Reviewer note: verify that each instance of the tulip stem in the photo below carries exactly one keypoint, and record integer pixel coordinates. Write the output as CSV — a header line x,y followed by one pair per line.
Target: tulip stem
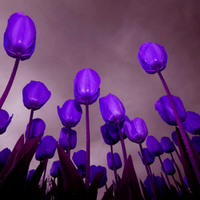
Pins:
x,y
148,172
87,172
68,148
122,143
113,161
10,82
29,125
186,141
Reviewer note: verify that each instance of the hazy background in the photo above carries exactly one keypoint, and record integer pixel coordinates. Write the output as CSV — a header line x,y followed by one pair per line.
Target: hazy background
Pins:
x,y
104,35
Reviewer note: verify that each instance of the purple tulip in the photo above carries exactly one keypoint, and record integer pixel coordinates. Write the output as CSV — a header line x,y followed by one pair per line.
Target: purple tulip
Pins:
x,y
167,145
196,143
112,109
152,57
169,166
192,123
29,175
46,148
136,130
154,146
63,139
4,120
37,127
70,113
79,159
164,108
4,155
148,157
174,138
54,168
20,36
35,95
94,170
117,161
86,86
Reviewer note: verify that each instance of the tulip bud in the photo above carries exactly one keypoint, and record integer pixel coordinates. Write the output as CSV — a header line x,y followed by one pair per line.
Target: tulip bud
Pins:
x,y
167,145
54,168
169,166
79,159
152,57
117,161
149,158
20,36
4,120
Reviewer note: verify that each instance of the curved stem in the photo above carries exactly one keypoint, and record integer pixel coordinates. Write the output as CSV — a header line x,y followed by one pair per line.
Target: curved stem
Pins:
x,y
122,143
114,169
10,82
29,125
182,131
68,148
87,173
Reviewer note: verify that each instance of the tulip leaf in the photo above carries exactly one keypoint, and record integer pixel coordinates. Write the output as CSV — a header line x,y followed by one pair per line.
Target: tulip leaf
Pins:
x,y
95,185
109,194
73,185
145,193
12,156
129,183
187,166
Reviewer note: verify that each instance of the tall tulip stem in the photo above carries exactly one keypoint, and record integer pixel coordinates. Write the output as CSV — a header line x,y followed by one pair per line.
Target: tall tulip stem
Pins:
x,y
10,82
122,143
69,135
113,161
29,125
182,131
87,173
148,173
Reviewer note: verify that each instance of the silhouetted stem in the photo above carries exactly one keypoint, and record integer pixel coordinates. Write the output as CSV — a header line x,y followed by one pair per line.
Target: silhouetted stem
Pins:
x,y
148,172
182,131
87,172
10,82
164,171
69,135
114,169
29,125
122,143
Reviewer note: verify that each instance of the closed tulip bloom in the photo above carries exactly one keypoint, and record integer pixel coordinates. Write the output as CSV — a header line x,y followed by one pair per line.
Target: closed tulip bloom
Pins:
x,y
94,170
196,143
35,95
148,157
169,166
112,109
37,127
136,130
154,146
117,161
192,123
54,168
79,159
167,145
4,120
70,113
46,148
164,108
86,86
20,36
63,139
4,155
152,57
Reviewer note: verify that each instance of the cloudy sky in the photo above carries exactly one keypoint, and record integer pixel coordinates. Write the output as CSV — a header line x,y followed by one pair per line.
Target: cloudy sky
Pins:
x,y
105,36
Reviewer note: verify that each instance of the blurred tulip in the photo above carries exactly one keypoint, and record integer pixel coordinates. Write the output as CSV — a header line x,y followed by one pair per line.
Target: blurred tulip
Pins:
x,y
154,146
117,161
148,157
152,57
63,139
94,170
164,108
79,159
112,109
174,138
20,36
54,168
37,127
4,155
70,113
35,95
4,120
192,123
29,175
196,143
169,166
86,86
46,148
136,130
167,145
